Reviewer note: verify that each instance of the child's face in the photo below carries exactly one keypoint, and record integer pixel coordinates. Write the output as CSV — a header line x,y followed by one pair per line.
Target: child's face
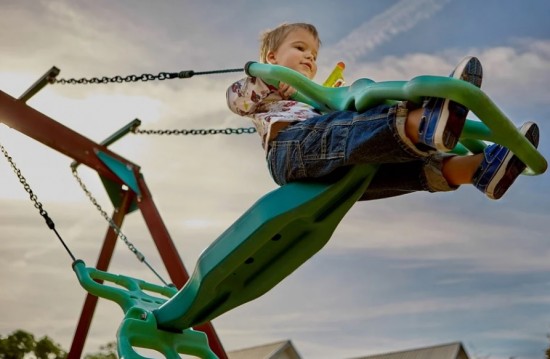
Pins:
x,y
298,52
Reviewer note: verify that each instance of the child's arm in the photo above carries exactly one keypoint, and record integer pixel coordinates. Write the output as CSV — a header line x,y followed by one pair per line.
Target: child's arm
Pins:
x,y
245,95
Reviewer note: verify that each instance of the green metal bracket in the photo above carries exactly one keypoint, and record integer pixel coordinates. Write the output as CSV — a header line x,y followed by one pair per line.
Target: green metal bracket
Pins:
x,y
125,174
121,133
115,195
121,170
47,78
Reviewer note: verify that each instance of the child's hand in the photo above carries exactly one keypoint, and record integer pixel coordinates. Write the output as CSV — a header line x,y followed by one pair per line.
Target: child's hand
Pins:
x,y
286,90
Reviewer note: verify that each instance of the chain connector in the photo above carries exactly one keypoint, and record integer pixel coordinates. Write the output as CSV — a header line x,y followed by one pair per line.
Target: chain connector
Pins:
x,y
186,74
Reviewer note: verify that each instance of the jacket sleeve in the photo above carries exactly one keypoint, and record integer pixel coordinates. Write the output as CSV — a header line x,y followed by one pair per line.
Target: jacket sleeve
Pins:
x,y
244,96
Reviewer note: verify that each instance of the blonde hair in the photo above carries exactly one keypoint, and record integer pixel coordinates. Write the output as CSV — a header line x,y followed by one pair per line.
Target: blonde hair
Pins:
x,y
272,39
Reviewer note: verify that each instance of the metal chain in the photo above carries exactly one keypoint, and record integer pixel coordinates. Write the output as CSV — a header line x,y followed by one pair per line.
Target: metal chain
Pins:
x,y
23,181
113,225
143,77
197,132
34,199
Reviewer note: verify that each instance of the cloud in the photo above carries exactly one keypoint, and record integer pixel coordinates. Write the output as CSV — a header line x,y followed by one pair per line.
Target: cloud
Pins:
x,y
517,74
382,28
399,258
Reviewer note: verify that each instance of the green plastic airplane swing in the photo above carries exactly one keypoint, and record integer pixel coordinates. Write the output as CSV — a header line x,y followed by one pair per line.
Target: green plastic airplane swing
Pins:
x,y
287,226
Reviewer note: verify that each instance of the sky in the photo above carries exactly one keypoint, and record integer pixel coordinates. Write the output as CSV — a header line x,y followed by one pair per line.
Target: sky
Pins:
x,y
401,273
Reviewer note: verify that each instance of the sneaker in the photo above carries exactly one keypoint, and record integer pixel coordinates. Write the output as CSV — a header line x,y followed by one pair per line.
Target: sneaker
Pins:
x,y
469,70
500,167
443,120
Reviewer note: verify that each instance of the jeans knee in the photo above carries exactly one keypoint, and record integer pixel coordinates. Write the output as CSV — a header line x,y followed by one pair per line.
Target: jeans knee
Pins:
x,y
285,161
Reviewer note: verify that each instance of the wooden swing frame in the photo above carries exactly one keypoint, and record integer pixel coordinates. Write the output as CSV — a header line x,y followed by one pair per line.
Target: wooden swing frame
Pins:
x,y
15,113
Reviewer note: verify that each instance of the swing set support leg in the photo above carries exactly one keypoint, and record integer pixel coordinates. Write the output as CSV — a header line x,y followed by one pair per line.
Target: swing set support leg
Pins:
x,y
161,236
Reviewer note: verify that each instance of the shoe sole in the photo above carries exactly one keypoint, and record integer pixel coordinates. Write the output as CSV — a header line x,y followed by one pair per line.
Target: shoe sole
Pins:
x,y
512,166
469,70
474,73
449,132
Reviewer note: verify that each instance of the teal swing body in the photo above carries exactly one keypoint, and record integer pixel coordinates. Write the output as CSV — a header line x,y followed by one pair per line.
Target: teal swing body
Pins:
x,y
287,226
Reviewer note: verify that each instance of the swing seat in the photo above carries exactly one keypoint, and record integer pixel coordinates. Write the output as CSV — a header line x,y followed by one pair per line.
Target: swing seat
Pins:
x,y
286,227
283,229
280,232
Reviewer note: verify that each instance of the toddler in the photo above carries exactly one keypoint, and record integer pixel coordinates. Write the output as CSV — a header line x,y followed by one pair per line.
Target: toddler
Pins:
x,y
410,144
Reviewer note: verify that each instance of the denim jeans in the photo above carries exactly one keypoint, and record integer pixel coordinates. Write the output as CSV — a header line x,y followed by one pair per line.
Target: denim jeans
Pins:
x,y
315,148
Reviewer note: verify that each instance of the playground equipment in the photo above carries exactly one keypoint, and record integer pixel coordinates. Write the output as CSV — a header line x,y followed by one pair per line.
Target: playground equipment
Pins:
x,y
281,231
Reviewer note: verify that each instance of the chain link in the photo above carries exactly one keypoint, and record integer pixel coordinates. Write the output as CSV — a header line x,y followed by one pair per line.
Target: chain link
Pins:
x,y
113,225
143,77
24,182
51,225
197,132
104,214
34,199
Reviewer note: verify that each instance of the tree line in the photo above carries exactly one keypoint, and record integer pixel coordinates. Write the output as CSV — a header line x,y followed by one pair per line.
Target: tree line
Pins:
x,y
21,344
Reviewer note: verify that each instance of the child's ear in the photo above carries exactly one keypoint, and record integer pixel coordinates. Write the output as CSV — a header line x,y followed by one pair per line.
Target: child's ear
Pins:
x,y
271,59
